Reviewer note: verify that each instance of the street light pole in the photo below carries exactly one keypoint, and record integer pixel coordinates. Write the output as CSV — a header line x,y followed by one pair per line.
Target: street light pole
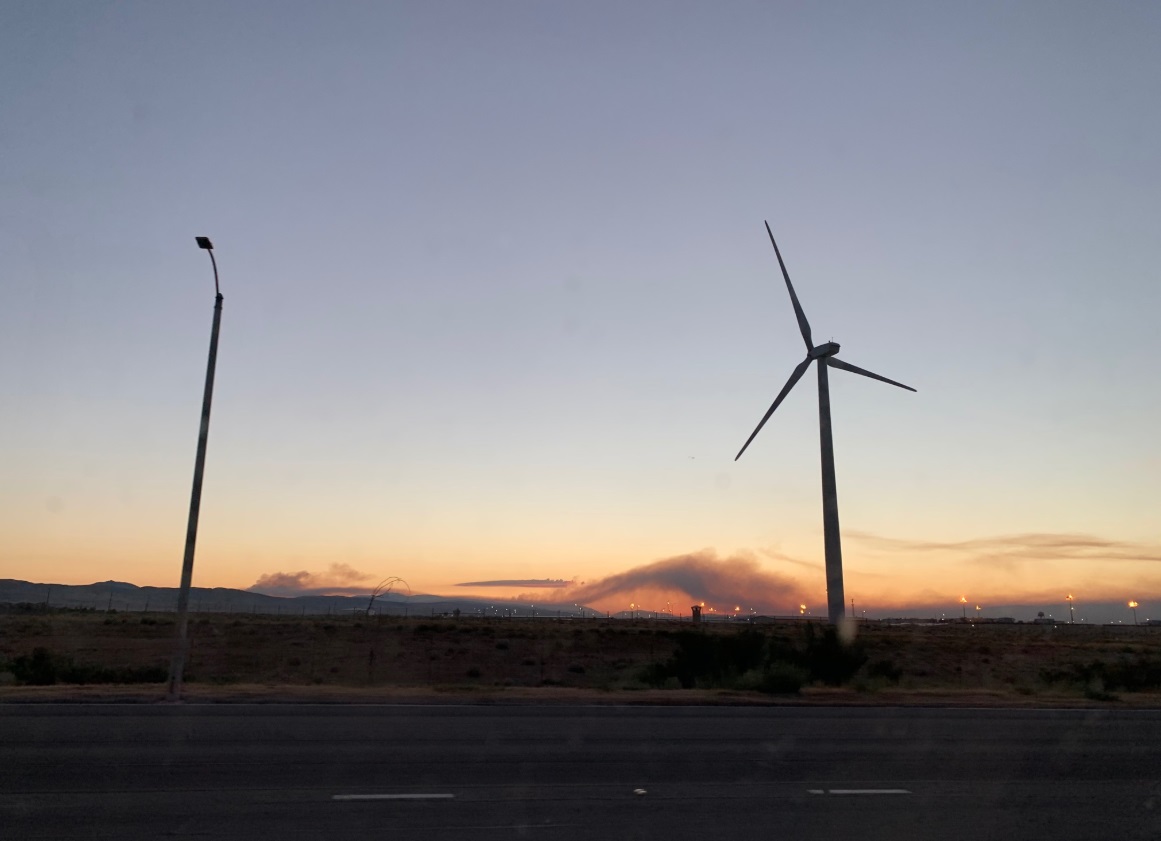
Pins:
x,y
181,643
1133,605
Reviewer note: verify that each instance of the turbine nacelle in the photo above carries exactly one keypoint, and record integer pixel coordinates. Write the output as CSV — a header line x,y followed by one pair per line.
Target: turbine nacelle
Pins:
x,y
819,351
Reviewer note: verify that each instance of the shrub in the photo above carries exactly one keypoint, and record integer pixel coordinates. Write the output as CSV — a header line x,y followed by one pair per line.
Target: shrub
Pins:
x,y
749,659
777,678
829,659
43,668
1134,675
782,679
715,660
39,669
886,670
657,674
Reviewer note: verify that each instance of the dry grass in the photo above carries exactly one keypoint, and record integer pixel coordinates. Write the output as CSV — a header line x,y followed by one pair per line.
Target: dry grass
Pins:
x,y
267,658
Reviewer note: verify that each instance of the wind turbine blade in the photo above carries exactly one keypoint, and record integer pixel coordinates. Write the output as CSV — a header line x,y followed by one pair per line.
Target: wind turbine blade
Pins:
x,y
835,362
795,376
803,324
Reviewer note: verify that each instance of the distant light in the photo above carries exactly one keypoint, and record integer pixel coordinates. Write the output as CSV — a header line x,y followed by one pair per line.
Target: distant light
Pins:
x,y
204,242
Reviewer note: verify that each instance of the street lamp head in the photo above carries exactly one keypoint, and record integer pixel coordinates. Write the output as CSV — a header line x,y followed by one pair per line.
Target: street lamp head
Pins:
x,y
205,244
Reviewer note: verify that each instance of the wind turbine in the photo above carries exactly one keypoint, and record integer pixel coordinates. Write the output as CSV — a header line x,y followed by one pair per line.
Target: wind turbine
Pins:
x,y
825,356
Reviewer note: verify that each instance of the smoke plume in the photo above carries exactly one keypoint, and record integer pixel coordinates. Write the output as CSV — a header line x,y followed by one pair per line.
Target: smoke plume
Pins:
x,y
552,583
722,583
337,580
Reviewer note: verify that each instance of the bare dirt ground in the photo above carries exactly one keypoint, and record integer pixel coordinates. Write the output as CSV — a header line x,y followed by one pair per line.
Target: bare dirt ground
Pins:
x,y
119,656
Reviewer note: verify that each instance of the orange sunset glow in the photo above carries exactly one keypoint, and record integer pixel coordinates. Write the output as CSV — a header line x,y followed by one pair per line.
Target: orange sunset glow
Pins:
x,y
512,339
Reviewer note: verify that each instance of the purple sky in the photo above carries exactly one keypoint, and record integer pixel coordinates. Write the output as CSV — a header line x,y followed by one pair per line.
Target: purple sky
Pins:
x,y
499,303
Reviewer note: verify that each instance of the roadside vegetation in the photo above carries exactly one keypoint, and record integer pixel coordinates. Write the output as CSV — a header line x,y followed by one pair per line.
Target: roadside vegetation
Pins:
x,y
754,660
614,656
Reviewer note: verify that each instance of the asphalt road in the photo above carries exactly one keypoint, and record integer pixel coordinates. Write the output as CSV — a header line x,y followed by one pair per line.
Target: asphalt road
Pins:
x,y
555,772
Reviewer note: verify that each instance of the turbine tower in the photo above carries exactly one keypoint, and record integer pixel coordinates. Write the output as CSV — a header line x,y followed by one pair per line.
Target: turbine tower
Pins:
x,y
825,356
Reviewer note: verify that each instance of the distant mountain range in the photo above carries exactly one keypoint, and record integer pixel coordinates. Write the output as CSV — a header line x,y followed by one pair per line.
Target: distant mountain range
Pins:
x,y
122,596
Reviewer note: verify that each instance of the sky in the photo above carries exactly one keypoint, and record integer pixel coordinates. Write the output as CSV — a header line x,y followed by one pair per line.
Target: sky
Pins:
x,y
500,305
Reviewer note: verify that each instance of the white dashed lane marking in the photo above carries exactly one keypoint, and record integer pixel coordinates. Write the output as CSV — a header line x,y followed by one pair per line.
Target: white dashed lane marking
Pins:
x,y
393,797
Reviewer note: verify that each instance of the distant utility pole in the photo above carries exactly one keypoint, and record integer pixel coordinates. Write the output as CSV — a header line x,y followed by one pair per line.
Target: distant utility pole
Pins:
x,y
181,643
